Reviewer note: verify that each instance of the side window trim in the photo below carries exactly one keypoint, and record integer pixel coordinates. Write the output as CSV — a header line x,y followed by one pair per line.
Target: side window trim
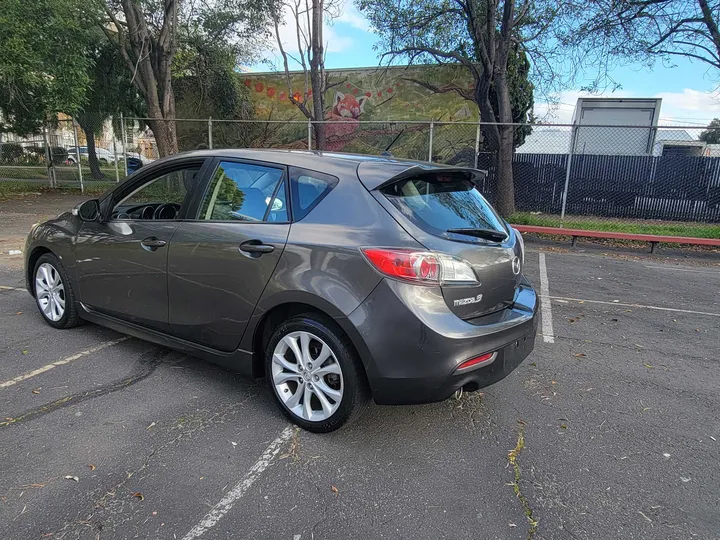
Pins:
x,y
273,196
211,168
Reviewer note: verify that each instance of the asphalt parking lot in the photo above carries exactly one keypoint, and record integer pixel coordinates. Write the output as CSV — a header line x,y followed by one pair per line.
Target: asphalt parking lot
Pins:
x,y
609,429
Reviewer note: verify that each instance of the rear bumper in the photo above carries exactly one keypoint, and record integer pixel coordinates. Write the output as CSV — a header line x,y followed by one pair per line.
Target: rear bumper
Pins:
x,y
415,343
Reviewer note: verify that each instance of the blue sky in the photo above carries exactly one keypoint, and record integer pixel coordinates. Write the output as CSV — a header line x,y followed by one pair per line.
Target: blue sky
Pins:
x,y
689,95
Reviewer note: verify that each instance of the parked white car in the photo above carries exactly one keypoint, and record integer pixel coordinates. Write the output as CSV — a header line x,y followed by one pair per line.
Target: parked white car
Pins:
x,y
105,157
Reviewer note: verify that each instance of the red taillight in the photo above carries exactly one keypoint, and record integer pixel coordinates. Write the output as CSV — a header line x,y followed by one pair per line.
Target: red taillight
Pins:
x,y
405,264
475,361
421,266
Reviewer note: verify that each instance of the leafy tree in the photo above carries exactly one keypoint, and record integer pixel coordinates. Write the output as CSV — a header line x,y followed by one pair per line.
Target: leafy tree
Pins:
x,y
494,40
521,95
711,135
208,88
109,93
43,68
150,33
604,33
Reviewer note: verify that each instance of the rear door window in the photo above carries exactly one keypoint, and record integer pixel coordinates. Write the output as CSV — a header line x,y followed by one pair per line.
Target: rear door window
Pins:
x,y
308,188
439,202
245,192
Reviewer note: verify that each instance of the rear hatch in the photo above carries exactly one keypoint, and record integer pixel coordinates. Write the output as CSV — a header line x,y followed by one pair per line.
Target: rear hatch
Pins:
x,y
444,211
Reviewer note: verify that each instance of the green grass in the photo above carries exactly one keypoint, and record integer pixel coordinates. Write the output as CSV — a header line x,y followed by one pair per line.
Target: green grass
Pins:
x,y
632,226
17,189
63,173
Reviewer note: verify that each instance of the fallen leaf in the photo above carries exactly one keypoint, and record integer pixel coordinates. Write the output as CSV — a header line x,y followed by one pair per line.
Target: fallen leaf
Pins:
x,y
24,352
19,313
72,478
138,495
37,390
553,382
581,301
571,320
649,366
335,490
563,426
92,467
580,355
533,364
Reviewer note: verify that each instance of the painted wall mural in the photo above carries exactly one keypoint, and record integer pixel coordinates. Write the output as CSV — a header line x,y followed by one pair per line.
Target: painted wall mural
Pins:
x,y
366,107
371,93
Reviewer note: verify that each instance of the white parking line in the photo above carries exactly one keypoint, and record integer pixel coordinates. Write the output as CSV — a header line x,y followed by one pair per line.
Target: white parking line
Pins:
x,y
62,362
545,305
227,502
6,288
674,269
639,306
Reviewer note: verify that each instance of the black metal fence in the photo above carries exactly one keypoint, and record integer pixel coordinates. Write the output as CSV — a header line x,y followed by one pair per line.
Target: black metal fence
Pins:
x,y
673,187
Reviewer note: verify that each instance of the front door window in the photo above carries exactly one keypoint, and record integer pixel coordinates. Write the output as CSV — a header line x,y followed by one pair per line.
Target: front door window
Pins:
x,y
160,198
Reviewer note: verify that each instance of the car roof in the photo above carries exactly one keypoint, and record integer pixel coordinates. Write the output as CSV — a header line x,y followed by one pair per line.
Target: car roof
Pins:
x,y
373,171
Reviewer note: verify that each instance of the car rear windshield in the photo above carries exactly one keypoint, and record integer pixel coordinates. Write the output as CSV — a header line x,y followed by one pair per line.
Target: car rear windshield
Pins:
x,y
439,202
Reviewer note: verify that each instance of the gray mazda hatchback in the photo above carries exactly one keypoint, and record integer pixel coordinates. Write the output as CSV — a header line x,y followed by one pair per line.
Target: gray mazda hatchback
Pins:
x,y
338,277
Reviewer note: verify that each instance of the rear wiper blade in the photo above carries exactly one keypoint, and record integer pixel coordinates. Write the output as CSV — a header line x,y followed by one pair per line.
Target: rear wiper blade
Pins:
x,y
487,234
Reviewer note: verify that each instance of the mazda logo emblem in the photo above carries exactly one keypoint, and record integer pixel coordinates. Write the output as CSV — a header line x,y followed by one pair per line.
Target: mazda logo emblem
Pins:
x,y
516,265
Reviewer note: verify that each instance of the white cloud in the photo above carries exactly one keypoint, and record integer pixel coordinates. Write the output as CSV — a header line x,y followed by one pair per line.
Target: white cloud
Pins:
x,y
689,106
350,15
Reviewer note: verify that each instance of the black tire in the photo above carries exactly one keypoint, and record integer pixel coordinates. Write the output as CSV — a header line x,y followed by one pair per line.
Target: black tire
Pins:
x,y
70,317
356,392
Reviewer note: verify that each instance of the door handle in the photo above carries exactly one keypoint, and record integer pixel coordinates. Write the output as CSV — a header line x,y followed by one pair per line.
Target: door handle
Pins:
x,y
151,243
256,247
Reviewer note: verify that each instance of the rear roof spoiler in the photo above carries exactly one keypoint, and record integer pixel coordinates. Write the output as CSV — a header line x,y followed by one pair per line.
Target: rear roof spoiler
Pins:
x,y
378,174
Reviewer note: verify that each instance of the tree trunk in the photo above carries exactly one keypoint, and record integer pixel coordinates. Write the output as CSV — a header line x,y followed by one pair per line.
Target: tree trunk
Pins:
x,y
165,139
149,55
89,130
319,134
317,74
504,174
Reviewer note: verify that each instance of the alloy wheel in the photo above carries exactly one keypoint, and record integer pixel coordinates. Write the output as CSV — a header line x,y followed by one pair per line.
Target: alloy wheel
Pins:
x,y
307,376
50,292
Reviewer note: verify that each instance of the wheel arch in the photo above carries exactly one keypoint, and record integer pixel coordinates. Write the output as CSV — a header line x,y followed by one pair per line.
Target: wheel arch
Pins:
x,y
257,337
35,254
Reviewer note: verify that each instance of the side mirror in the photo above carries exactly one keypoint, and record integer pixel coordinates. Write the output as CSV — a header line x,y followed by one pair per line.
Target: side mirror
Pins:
x,y
88,211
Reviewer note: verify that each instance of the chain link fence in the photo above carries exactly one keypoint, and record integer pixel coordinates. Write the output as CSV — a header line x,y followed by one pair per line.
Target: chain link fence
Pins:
x,y
659,180
663,179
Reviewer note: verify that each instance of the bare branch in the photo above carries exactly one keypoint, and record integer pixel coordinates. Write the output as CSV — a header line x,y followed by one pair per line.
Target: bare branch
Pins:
x,y
462,92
